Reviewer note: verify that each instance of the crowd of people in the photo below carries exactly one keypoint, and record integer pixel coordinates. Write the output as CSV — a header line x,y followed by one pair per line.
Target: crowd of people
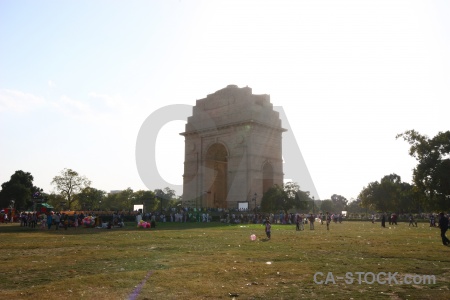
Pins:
x,y
64,220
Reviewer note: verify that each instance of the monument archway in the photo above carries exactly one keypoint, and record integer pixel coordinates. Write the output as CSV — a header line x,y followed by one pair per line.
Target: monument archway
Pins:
x,y
215,176
233,149
267,177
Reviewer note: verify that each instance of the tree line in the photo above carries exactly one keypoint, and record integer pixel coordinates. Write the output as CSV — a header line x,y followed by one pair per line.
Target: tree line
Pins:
x,y
74,192
430,190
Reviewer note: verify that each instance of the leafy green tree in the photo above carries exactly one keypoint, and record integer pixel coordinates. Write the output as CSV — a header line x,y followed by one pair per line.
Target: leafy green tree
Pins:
x,y
68,184
19,188
411,199
55,200
127,199
327,205
383,196
303,201
355,206
111,202
147,198
339,203
284,198
165,197
272,199
122,200
91,199
432,173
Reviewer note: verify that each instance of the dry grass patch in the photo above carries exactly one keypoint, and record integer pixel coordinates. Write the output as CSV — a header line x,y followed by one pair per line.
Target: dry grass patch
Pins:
x,y
212,261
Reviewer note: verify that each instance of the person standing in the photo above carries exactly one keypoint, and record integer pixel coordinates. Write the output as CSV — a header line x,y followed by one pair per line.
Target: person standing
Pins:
x,y
43,218
383,220
65,220
328,220
153,220
138,218
75,220
57,219
302,222
268,228
443,225
311,221
432,220
49,220
33,220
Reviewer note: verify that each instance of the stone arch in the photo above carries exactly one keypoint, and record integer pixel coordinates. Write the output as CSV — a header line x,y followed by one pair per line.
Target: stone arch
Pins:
x,y
216,176
267,178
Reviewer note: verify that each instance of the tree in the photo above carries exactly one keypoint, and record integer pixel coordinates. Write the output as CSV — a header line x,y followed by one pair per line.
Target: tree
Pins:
x,y
91,199
126,199
284,198
303,201
69,183
19,188
55,200
272,198
327,205
111,202
147,198
383,196
432,173
355,206
165,197
339,203
411,199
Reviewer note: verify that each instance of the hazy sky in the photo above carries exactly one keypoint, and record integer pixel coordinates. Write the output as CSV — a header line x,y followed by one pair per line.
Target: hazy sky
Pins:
x,y
78,79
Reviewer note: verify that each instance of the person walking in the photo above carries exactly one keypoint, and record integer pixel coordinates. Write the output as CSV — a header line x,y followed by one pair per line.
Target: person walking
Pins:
x,y
443,225
412,221
394,219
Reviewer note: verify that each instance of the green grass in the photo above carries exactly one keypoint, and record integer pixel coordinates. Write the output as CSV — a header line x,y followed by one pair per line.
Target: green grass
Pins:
x,y
210,261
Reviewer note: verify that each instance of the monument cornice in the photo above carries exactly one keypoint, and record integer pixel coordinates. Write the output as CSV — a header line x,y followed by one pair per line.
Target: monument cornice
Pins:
x,y
231,125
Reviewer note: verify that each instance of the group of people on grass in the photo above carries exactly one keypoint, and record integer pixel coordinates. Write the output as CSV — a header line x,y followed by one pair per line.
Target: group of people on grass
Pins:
x,y
63,220
300,220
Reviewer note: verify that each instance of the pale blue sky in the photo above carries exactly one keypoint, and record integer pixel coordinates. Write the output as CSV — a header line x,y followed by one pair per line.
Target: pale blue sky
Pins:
x,y
78,78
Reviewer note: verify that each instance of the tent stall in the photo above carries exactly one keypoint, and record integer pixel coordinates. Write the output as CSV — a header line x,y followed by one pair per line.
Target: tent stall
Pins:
x,y
44,207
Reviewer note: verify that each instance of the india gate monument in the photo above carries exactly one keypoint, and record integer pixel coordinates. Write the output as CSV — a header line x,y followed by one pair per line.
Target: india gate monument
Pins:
x,y
233,149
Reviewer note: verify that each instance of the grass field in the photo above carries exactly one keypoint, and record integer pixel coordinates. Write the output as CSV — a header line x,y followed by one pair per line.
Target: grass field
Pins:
x,y
212,261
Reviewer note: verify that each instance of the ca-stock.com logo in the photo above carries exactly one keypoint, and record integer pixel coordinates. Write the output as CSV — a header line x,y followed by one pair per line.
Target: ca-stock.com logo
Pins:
x,y
390,278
